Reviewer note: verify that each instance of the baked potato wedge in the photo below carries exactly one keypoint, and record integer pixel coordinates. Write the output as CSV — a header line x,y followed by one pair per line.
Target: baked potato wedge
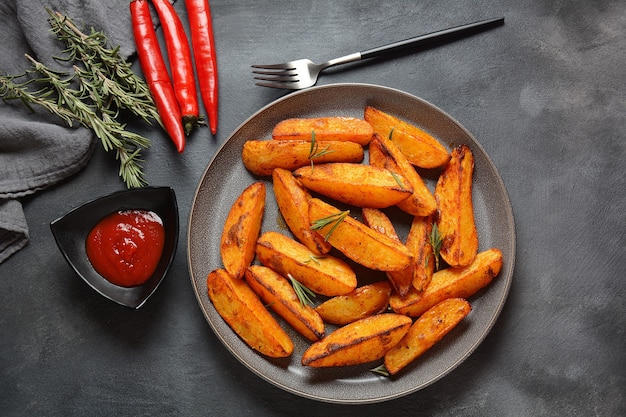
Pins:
x,y
427,330
419,147
359,342
242,228
384,154
326,275
277,293
260,157
293,202
243,311
418,241
453,193
364,301
355,184
451,283
339,128
378,220
355,240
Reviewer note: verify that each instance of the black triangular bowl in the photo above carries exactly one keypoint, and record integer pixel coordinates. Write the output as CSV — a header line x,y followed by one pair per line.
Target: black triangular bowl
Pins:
x,y
70,233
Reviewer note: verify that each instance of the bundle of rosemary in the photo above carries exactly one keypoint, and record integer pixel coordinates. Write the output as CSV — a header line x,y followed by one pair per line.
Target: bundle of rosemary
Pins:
x,y
101,86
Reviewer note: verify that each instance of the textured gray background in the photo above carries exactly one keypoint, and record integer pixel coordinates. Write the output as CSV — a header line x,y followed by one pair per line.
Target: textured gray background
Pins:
x,y
543,94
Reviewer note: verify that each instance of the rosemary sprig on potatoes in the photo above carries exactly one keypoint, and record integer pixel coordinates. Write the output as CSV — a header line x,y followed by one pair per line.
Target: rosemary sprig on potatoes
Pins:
x,y
305,295
334,219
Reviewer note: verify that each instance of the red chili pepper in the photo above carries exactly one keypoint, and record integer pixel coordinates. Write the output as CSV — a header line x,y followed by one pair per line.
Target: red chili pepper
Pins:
x,y
180,63
203,44
155,71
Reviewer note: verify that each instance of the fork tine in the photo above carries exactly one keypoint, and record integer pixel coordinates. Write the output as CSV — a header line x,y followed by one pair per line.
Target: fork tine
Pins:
x,y
290,71
275,66
278,78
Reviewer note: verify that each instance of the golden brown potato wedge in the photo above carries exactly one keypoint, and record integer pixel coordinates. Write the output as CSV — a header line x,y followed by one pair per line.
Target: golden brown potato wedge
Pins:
x,y
356,241
419,147
326,128
326,275
456,210
276,292
427,330
419,243
451,283
384,154
260,157
242,228
359,342
242,309
378,220
365,301
293,202
355,184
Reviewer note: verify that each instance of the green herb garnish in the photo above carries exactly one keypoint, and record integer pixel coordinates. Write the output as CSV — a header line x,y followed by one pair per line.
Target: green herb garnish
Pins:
x,y
435,239
314,258
314,152
380,370
305,295
101,86
396,177
333,219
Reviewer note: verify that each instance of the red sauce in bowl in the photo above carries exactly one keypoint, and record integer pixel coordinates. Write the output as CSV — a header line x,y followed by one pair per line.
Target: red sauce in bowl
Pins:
x,y
125,247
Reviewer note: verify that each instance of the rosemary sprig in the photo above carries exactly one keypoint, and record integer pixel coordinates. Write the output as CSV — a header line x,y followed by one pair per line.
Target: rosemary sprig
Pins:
x,y
313,258
380,370
305,295
315,152
101,86
71,104
396,177
435,239
105,68
333,219
11,90
109,94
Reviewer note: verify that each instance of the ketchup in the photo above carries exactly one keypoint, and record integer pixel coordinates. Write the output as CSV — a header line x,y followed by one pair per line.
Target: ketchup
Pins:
x,y
125,247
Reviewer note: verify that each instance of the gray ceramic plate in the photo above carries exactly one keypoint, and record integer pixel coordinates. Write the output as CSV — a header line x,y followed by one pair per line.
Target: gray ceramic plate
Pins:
x,y
225,178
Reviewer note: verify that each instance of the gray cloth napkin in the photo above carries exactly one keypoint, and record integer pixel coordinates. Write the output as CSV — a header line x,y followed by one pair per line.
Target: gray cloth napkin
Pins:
x,y
37,149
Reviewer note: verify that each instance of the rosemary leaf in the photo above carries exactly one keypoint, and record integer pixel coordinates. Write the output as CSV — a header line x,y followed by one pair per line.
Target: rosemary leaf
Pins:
x,y
333,219
380,370
314,145
435,240
305,295
314,152
314,258
397,179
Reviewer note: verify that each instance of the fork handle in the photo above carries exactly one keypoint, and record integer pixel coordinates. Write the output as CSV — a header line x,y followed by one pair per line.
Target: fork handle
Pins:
x,y
433,38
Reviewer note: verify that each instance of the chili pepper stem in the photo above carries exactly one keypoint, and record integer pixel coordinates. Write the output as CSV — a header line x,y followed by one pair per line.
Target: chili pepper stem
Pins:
x,y
189,123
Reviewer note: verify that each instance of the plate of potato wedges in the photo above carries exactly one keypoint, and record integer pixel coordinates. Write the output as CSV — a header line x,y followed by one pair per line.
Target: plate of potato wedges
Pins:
x,y
351,243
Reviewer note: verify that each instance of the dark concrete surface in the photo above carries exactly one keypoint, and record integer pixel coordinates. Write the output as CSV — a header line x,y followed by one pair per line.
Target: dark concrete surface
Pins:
x,y
544,94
